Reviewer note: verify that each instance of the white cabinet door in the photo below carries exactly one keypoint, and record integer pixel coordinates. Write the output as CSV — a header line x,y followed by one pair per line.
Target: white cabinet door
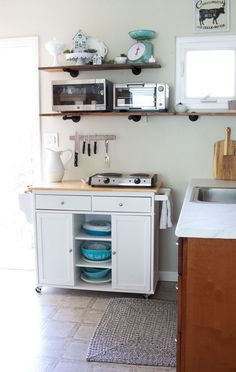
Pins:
x,y
55,248
131,248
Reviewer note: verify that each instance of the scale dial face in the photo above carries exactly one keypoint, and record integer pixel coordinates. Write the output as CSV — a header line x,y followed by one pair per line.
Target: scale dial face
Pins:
x,y
136,52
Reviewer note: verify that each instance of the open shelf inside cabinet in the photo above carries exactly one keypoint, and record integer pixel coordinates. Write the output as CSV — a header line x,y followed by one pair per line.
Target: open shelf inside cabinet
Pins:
x,y
97,286
83,236
80,262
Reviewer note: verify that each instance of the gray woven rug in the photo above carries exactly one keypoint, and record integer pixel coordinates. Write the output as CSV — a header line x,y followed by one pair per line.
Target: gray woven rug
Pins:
x,y
136,331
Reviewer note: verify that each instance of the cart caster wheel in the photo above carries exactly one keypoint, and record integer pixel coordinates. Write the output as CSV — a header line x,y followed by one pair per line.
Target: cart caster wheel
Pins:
x,y
38,289
146,296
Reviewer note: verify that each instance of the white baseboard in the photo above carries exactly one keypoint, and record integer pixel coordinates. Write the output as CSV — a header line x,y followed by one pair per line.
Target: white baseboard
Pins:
x,y
168,276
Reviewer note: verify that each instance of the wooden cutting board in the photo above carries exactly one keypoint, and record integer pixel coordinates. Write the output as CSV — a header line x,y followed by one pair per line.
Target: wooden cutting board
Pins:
x,y
225,158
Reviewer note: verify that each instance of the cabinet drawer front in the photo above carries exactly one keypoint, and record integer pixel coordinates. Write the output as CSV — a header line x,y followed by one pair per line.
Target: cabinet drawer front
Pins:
x,y
63,202
122,204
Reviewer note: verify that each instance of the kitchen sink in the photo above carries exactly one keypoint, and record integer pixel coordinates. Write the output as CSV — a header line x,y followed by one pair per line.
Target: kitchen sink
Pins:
x,y
214,195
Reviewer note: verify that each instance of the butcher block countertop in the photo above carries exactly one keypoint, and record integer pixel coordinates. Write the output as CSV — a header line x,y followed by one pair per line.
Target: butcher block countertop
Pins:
x,y
207,219
80,186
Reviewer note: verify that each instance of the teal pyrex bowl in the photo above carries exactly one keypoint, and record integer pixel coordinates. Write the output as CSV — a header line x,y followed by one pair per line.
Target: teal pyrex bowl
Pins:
x,y
95,250
95,273
95,255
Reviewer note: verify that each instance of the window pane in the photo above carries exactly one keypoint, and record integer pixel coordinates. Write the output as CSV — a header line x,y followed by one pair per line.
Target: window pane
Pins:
x,y
210,73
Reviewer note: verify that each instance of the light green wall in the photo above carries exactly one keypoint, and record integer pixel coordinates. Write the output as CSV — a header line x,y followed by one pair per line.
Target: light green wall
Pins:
x,y
173,147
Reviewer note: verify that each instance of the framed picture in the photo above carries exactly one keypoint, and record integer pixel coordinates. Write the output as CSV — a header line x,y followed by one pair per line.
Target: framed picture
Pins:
x,y
211,15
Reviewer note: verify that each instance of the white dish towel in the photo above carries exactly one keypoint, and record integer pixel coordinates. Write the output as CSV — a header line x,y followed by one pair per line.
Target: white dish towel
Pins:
x,y
166,209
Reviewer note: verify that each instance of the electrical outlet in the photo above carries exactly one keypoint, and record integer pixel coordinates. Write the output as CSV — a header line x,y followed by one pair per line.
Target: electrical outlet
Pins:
x,y
51,140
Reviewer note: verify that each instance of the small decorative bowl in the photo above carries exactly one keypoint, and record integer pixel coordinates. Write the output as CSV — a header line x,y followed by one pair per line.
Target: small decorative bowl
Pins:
x,y
120,59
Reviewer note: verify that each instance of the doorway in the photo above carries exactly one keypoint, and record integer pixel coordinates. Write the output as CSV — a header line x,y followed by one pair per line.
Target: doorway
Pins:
x,y
19,147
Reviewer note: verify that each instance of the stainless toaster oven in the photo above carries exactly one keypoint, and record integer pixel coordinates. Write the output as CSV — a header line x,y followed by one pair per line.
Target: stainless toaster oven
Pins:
x,y
140,96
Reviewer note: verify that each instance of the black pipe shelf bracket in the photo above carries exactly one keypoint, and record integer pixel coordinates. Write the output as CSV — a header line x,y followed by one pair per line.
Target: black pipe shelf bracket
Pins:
x,y
74,118
136,70
193,116
73,73
135,118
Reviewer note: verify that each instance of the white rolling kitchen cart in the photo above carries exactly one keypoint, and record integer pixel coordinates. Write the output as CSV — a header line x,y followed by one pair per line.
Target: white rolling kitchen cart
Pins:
x,y
61,209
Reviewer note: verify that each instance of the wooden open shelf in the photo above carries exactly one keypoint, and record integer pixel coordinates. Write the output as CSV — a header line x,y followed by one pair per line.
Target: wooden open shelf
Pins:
x,y
105,113
74,70
136,116
132,115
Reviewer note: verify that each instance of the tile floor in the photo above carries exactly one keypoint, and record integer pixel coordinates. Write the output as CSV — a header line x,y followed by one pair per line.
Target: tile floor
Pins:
x,y
50,332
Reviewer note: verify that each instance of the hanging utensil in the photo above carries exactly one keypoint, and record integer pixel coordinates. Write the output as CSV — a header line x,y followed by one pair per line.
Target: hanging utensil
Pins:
x,y
95,147
77,149
84,146
89,147
107,157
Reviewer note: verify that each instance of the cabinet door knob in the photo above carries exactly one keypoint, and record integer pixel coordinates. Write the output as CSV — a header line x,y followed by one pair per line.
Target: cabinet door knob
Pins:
x,y
177,242
177,287
120,204
176,340
113,252
62,202
70,250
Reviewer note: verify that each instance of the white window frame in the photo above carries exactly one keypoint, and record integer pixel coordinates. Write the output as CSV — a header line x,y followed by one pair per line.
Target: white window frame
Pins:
x,y
185,44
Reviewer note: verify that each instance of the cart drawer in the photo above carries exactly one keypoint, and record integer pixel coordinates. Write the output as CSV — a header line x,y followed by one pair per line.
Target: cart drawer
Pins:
x,y
121,204
63,202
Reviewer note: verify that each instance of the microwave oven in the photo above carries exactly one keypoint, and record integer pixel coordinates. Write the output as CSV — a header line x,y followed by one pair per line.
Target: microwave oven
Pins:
x,y
82,95
141,96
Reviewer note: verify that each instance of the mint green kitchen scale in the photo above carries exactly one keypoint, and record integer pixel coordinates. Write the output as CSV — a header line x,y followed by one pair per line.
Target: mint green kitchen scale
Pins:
x,y
142,50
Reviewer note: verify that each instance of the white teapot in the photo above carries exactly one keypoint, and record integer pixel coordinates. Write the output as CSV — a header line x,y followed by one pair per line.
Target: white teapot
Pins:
x,y
54,168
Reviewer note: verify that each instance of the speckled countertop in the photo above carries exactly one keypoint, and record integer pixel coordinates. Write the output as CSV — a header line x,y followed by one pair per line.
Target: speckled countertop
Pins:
x,y
207,219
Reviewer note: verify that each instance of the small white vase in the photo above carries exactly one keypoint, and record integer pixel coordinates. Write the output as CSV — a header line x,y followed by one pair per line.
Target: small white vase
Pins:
x,y
55,48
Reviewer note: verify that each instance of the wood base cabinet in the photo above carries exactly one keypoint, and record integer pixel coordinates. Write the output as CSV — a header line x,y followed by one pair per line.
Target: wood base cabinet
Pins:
x,y
206,340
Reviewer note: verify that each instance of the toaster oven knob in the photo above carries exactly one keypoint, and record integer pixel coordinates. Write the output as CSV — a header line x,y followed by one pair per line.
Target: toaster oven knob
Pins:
x,y
106,180
137,181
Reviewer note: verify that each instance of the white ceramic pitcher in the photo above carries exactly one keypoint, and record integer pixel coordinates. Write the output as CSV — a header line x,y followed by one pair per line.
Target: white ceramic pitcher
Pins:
x,y
54,168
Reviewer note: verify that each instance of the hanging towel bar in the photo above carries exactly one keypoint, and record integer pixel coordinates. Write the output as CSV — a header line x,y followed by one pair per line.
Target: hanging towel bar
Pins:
x,y
164,194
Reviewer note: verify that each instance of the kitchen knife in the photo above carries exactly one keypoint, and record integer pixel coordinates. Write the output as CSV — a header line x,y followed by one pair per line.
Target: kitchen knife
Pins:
x,y
76,156
83,148
95,147
89,148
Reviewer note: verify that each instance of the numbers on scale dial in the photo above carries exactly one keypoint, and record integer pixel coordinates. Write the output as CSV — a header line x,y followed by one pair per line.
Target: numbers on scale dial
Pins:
x,y
136,51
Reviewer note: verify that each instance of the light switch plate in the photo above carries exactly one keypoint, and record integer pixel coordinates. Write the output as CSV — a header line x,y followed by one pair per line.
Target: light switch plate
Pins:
x,y
51,140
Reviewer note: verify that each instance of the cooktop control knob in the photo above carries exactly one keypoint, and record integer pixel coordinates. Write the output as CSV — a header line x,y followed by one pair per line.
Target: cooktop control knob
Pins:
x,y
106,180
137,181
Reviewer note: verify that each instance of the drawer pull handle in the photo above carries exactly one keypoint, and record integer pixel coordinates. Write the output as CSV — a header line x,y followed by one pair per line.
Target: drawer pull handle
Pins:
x,y
120,204
62,202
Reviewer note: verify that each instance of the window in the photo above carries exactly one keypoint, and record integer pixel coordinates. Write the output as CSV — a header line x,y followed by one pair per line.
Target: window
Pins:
x,y
206,71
